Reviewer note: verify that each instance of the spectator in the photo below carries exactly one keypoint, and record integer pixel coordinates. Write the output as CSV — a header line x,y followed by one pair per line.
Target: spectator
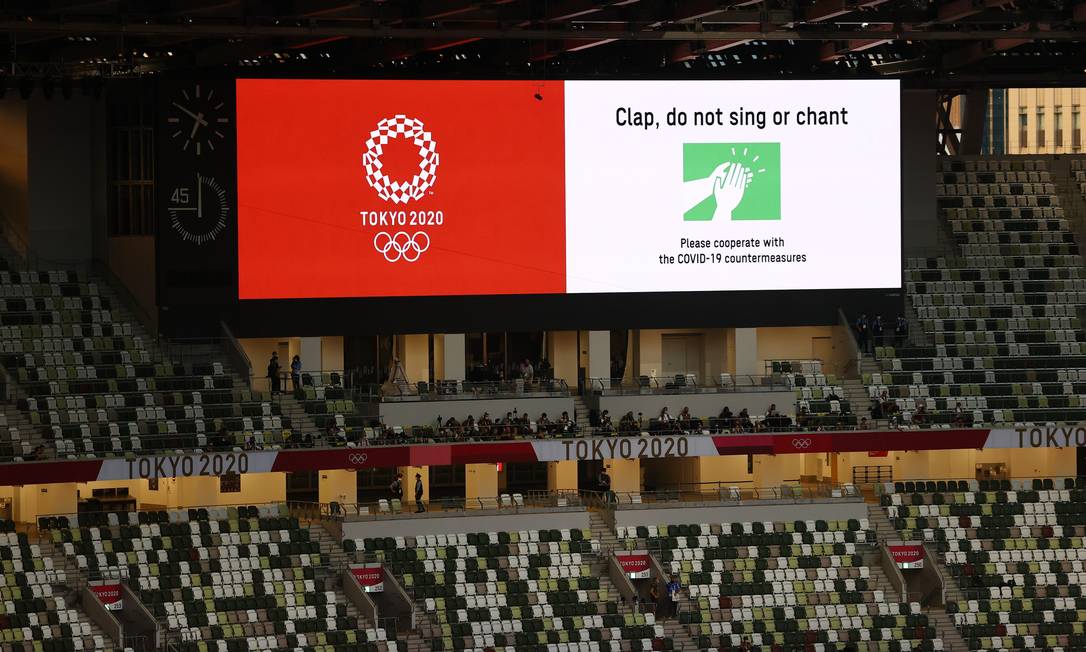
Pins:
x,y
673,588
565,424
901,330
273,372
605,485
877,331
252,445
687,421
654,597
222,438
803,418
726,420
920,417
772,411
485,424
307,440
606,426
743,421
862,332
863,424
960,416
627,425
420,507
666,422
527,371
396,488
296,373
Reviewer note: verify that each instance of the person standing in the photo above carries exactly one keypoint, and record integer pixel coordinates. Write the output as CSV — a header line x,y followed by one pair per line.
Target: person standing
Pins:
x,y
396,488
673,588
654,597
901,331
273,372
420,507
862,332
605,486
877,331
296,372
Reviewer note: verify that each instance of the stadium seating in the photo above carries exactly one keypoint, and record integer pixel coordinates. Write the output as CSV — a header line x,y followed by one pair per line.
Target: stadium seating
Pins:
x,y
250,576
33,614
998,325
1015,549
88,385
817,394
800,585
516,590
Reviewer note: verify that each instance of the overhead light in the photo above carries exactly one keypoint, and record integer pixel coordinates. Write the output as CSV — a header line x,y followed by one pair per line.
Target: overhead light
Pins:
x,y
169,53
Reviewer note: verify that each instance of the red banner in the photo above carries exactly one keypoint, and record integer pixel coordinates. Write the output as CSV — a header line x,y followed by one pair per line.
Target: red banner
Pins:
x,y
109,595
401,188
909,555
372,578
636,567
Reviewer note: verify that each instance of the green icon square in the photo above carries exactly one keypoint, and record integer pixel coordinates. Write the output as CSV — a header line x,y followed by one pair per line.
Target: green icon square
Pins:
x,y
761,199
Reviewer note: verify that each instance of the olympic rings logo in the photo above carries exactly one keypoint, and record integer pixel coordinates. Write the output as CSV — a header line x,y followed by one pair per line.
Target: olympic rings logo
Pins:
x,y
801,443
357,459
401,192
401,246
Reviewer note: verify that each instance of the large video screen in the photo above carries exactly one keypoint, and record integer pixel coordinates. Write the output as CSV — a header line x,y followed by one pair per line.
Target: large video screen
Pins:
x,y
379,188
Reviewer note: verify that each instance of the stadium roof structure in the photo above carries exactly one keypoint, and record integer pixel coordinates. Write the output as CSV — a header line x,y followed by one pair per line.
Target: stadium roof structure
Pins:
x,y
1019,41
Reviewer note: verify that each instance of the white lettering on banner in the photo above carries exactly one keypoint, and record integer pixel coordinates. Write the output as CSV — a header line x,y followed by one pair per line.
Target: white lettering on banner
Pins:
x,y
627,448
184,466
1041,436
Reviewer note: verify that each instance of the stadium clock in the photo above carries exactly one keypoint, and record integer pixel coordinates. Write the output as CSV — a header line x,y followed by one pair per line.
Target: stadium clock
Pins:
x,y
197,119
198,213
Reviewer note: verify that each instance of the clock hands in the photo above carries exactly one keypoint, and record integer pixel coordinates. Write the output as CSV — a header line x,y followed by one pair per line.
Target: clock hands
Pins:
x,y
198,117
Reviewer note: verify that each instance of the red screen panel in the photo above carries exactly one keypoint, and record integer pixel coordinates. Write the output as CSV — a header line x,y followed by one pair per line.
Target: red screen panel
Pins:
x,y
333,173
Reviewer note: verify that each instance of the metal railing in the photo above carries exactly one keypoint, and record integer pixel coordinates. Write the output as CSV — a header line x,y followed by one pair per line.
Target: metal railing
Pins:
x,y
683,384
469,389
529,501
735,492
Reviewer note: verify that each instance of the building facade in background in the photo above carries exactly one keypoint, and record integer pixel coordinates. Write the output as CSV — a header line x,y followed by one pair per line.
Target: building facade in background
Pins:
x,y
1034,121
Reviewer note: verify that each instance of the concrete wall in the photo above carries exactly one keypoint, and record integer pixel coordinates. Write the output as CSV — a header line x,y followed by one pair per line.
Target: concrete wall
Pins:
x,y
65,166
413,413
132,259
626,517
912,465
797,343
703,405
920,224
461,522
13,167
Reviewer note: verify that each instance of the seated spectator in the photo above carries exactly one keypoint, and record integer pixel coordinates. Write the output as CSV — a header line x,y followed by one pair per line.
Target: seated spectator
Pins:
x,y
772,411
222,439
543,425
743,421
889,407
628,425
803,418
725,420
606,426
687,421
920,417
468,427
961,417
451,429
307,440
485,424
252,445
566,425
666,423
863,425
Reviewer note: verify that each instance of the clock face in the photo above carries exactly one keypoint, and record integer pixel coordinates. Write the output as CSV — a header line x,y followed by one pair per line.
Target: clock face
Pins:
x,y
197,120
198,212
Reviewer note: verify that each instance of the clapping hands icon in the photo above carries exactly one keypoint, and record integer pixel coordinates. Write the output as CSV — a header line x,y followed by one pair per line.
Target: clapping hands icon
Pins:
x,y
727,184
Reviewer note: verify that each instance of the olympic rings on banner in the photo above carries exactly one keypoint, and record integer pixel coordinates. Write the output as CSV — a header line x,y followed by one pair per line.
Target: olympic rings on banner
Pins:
x,y
401,246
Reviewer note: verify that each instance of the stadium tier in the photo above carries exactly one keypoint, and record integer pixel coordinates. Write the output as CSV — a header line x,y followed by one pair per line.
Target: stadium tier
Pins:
x,y
705,326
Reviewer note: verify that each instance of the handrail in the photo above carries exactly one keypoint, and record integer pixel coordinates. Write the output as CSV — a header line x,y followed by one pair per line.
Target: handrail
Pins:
x,y
238,358
732,492
857,355
725,383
